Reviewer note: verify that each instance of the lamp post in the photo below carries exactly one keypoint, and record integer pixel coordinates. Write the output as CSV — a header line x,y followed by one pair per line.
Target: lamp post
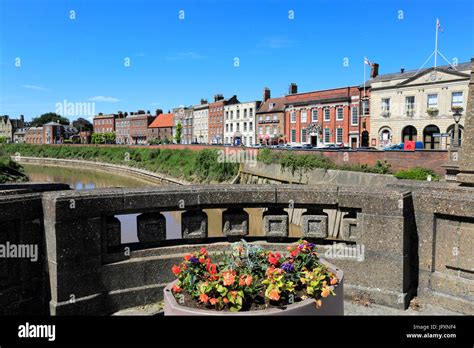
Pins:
x,y
457,118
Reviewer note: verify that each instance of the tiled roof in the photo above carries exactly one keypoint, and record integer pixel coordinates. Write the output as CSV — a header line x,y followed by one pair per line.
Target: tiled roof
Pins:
x,y
163,121
279,105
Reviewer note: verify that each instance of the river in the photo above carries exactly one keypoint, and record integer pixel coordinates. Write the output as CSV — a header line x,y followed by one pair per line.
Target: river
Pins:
x,y
86,179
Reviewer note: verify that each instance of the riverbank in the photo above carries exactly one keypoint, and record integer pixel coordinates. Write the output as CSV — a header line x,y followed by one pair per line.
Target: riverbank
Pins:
x,y
175,166
11,171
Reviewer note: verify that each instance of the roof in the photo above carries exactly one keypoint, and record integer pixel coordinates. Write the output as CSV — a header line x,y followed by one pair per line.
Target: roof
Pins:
x,y
163,121
412,73
278,107
52,124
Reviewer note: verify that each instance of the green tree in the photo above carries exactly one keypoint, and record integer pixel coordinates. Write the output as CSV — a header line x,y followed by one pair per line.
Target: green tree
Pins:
x,y
82,124
109,138
48,117
179,129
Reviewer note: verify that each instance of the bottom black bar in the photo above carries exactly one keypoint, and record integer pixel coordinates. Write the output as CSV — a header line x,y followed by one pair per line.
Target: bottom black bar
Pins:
x,y
136,331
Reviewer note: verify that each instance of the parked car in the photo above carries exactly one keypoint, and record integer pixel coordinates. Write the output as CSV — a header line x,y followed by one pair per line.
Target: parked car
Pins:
x,y
394,147
257,145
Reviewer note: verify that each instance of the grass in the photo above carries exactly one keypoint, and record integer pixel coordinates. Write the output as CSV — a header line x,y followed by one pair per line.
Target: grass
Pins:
x,y
417,173
10,171
194,166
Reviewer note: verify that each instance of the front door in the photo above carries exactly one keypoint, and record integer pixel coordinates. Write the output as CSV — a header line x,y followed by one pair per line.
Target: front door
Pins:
x,y
314,141
353,142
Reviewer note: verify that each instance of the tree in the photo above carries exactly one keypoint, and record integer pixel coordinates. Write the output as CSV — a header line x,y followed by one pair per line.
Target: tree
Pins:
x,y
48,117
82,124
178,133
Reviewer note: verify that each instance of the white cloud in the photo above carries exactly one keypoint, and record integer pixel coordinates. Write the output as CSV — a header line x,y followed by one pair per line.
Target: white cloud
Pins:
x,y
34,87
185,55
101,98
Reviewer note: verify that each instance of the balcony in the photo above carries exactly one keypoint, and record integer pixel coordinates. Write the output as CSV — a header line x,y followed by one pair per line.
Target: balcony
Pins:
x,y
385,113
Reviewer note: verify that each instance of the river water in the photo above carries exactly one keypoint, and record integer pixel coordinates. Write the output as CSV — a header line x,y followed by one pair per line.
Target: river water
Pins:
x,y
86,179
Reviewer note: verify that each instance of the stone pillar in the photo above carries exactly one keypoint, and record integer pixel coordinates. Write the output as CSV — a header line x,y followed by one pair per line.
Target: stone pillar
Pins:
x,y
194,224
315,224
151,227
466,175
235,222
350,226
275,223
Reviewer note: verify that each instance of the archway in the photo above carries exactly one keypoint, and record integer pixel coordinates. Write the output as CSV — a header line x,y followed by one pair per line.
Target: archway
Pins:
x,y
431,142
385,136
409,133
450,131
365,139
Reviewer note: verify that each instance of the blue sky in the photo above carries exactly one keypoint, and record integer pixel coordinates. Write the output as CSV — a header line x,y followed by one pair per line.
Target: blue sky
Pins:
x,y
177,61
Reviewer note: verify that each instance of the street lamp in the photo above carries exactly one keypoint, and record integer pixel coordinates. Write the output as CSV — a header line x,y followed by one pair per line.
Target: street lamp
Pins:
x,y
457,118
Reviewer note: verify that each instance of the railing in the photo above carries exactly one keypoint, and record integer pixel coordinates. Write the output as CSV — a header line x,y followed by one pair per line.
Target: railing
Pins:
x,y
89,264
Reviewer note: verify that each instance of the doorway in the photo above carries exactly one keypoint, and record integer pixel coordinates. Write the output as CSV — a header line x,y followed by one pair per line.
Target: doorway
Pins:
x,y
314,140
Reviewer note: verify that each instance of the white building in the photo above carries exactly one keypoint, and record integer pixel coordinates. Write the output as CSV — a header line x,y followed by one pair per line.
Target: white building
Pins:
x,y
418,105
201,122
239,123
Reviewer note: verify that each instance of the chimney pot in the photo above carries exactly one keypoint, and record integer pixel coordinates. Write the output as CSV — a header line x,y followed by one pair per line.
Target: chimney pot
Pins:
x,y
402,70
293,89
266,94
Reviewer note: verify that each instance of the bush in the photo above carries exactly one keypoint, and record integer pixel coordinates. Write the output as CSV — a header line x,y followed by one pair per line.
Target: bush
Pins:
x,y
417,173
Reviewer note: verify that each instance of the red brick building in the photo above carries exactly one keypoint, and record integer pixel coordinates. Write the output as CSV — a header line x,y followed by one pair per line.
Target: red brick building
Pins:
x,y
104,123
270,120
331,116
216,118
161,129
138,127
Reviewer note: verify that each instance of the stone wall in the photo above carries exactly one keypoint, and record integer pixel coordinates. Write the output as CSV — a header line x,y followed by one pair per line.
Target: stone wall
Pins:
x,y
24,286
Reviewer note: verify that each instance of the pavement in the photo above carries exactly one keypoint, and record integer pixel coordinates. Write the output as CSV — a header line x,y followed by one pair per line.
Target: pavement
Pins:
x,y
350,308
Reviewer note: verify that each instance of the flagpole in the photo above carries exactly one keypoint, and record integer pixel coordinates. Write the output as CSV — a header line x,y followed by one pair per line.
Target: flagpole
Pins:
x,y
436,44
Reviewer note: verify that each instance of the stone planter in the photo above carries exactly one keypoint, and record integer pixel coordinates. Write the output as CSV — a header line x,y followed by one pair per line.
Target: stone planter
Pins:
x,y
332,305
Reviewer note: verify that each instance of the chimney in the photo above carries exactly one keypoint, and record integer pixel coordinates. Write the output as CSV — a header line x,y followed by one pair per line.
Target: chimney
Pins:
x,y
218,97
203,101
402,70
266,94
141,112
293,89
374,70
158,112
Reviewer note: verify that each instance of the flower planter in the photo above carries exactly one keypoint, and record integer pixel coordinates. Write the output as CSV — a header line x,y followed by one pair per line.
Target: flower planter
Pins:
x,y
331,305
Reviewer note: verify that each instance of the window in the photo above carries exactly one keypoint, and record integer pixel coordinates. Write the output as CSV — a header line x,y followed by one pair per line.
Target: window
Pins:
x,y
250,140
260,118
245,126
365,106
245,113
267,118
275,118
260,130
293,117
432,101
410,105
339,135
327,114
267,130
275,130
231,127
293,135
231,115
227,127
237,114
340,114
250,126
386,104
327,135
251,112
304,116
237,126
314,115
303,136
245,141
270,106
456,99
355,116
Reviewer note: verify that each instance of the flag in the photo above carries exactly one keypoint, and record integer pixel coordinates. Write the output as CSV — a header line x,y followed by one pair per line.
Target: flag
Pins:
x,y
438,25
367,61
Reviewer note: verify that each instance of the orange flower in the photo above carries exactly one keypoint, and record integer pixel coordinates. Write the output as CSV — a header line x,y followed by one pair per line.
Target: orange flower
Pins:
x,y
233,293
325,292
248,280
176,270
274,295
176,289
225,299
325,283
187,256
294,253
333,281
242,281
229,278
203,298
273,258
213,301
